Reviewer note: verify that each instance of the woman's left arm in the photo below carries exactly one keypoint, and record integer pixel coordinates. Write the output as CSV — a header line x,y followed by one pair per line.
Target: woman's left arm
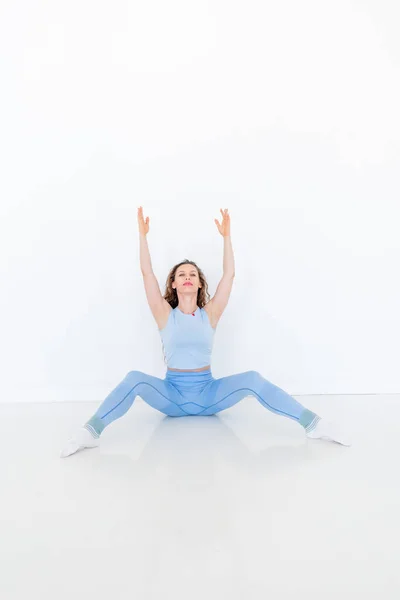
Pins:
x,y
225,230
229,261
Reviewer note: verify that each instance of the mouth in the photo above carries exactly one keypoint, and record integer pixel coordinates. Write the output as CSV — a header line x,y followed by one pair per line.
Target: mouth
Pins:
x,y
188,283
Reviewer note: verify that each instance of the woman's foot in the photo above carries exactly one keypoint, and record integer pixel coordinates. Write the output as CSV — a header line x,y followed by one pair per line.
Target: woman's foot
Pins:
x,y
325,430
83,439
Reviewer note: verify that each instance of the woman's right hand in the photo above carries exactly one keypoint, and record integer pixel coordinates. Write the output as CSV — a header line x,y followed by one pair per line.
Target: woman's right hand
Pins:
x,y
143,225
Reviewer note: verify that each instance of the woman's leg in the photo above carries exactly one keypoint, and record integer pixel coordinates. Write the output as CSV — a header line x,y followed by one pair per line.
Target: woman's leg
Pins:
x,y
157,392
225,392
222,393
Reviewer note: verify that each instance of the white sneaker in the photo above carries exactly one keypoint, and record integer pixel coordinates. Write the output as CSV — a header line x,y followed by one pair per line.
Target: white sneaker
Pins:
x,y
325,430
83,439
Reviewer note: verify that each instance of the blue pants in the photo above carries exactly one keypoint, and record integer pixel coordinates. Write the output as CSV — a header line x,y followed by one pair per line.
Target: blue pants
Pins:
x,y
196,393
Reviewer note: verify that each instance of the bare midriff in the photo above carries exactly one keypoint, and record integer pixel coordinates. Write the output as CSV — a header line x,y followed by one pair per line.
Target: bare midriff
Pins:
x,y
189,370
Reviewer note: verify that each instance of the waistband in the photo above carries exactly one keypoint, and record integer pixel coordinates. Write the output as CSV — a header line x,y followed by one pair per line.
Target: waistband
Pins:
x,y
192,375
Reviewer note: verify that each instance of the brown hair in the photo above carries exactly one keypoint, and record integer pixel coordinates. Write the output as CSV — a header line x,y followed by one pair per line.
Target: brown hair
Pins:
x,y
171,295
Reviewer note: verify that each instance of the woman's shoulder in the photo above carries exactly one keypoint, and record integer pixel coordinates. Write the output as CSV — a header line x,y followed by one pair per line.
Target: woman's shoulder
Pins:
x,y
212,320
162,316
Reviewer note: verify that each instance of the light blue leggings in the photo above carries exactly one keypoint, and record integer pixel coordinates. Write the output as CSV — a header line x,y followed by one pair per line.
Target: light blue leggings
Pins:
x,y
196,393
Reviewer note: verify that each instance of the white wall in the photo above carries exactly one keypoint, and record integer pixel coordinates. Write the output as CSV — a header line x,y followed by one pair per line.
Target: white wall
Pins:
x,y
286,113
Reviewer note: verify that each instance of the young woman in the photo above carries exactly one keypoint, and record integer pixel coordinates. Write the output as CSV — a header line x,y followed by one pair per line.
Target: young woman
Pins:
x,y
187,319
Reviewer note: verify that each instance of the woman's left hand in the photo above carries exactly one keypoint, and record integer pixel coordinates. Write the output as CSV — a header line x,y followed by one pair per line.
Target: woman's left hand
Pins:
x,y
225,227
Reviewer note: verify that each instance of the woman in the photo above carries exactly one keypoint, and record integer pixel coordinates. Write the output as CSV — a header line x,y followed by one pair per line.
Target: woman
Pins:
x,y
187,319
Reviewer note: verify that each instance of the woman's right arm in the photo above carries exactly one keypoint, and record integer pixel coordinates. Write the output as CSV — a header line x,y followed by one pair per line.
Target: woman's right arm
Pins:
x,y
157,303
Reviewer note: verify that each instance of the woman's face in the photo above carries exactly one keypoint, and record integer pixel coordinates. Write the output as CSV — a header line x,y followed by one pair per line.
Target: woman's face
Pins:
x,y
184,276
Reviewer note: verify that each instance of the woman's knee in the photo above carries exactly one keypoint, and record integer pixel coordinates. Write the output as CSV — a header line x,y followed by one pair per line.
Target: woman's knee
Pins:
x,y
253,375
133,377
134,374
254,379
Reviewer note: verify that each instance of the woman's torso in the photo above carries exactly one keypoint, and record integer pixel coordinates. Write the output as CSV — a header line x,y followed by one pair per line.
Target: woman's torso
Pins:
x,y
213,324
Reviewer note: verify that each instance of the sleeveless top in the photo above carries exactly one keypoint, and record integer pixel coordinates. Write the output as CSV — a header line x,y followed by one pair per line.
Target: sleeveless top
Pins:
x,y
187,339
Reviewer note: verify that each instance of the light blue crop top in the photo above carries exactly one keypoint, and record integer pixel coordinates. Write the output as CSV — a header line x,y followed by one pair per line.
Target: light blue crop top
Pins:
x,y
187,339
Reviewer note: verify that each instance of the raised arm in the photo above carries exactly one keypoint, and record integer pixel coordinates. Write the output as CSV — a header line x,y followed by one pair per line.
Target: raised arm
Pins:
x,y
221,297
158,305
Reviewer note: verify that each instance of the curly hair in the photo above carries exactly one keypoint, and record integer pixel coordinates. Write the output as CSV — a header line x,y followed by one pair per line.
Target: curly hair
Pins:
x,y
171,295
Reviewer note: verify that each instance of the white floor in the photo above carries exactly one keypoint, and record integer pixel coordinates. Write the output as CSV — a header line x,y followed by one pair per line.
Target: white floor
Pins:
x,y
237,505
